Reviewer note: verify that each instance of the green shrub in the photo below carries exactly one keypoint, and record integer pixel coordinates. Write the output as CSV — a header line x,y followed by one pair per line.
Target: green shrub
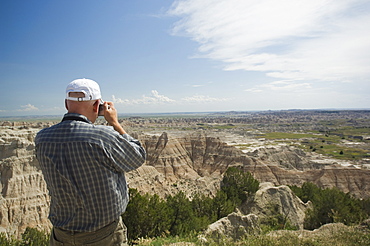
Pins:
x,y
182,217
222,205
4,241
34,237
150,216
330,206
146,215
275,220
238,185
30,237
204,212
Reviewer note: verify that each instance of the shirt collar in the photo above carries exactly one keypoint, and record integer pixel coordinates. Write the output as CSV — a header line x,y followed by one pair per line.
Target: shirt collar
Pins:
x,y
77,117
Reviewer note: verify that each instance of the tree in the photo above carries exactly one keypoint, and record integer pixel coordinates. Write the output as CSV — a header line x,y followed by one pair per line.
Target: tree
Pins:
x,y
238,185
222,206
181,214
150,216
330,205
34,237
203,210
146,215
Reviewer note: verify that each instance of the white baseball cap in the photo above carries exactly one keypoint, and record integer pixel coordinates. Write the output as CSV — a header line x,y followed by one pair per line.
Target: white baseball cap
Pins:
x,y
88,87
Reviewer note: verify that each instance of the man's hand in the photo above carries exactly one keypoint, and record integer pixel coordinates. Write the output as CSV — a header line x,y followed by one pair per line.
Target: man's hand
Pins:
x,y
110,115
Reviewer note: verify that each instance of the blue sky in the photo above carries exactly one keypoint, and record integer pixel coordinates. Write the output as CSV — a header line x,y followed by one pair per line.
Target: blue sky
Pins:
x,y
153,56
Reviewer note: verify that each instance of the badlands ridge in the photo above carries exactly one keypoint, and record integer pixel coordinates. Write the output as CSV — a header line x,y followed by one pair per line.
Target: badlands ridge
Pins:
x,y
182,155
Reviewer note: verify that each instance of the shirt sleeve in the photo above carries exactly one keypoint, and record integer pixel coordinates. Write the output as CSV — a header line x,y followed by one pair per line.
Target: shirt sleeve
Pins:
x,y
126,153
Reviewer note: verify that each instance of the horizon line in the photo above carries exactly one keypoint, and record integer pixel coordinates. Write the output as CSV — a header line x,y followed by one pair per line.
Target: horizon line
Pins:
x,y
194,112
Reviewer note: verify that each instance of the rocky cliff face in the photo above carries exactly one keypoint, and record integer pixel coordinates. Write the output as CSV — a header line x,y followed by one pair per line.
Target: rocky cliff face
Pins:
x,y
269,201
196,162
191,162
24,200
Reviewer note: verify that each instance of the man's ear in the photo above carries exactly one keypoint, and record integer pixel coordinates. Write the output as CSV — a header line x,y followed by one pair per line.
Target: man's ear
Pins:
x,y
66,104
96,106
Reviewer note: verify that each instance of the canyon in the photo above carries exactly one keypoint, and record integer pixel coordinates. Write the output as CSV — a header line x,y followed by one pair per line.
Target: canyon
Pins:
x,y
185,155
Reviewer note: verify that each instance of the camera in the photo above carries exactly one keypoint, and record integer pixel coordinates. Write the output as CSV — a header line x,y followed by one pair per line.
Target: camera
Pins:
x,y
101,108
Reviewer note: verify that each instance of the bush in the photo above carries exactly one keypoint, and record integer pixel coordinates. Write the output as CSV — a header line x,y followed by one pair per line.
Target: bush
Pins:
x,y
34,237
146,215
330,206
222,205
181,214
238,185
204,212
8,242
150,216
275,220
30,237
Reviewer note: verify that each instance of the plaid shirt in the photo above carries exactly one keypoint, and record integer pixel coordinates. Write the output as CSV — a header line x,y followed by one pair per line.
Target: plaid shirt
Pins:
x,y
84,167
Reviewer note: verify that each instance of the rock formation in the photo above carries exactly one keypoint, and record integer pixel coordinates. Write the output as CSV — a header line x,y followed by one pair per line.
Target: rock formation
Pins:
x,y
192,163
325,232
24,200
234,226
270,200
196,162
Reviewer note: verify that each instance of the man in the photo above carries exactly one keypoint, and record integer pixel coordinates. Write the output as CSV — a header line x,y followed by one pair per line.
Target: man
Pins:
x,y
84,167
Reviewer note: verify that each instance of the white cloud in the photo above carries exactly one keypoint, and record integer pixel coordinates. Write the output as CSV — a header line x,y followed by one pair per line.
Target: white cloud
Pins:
x,y
155,98
286,85
159,98
254,90
327,40
203,99
282,86
120,101
28,107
